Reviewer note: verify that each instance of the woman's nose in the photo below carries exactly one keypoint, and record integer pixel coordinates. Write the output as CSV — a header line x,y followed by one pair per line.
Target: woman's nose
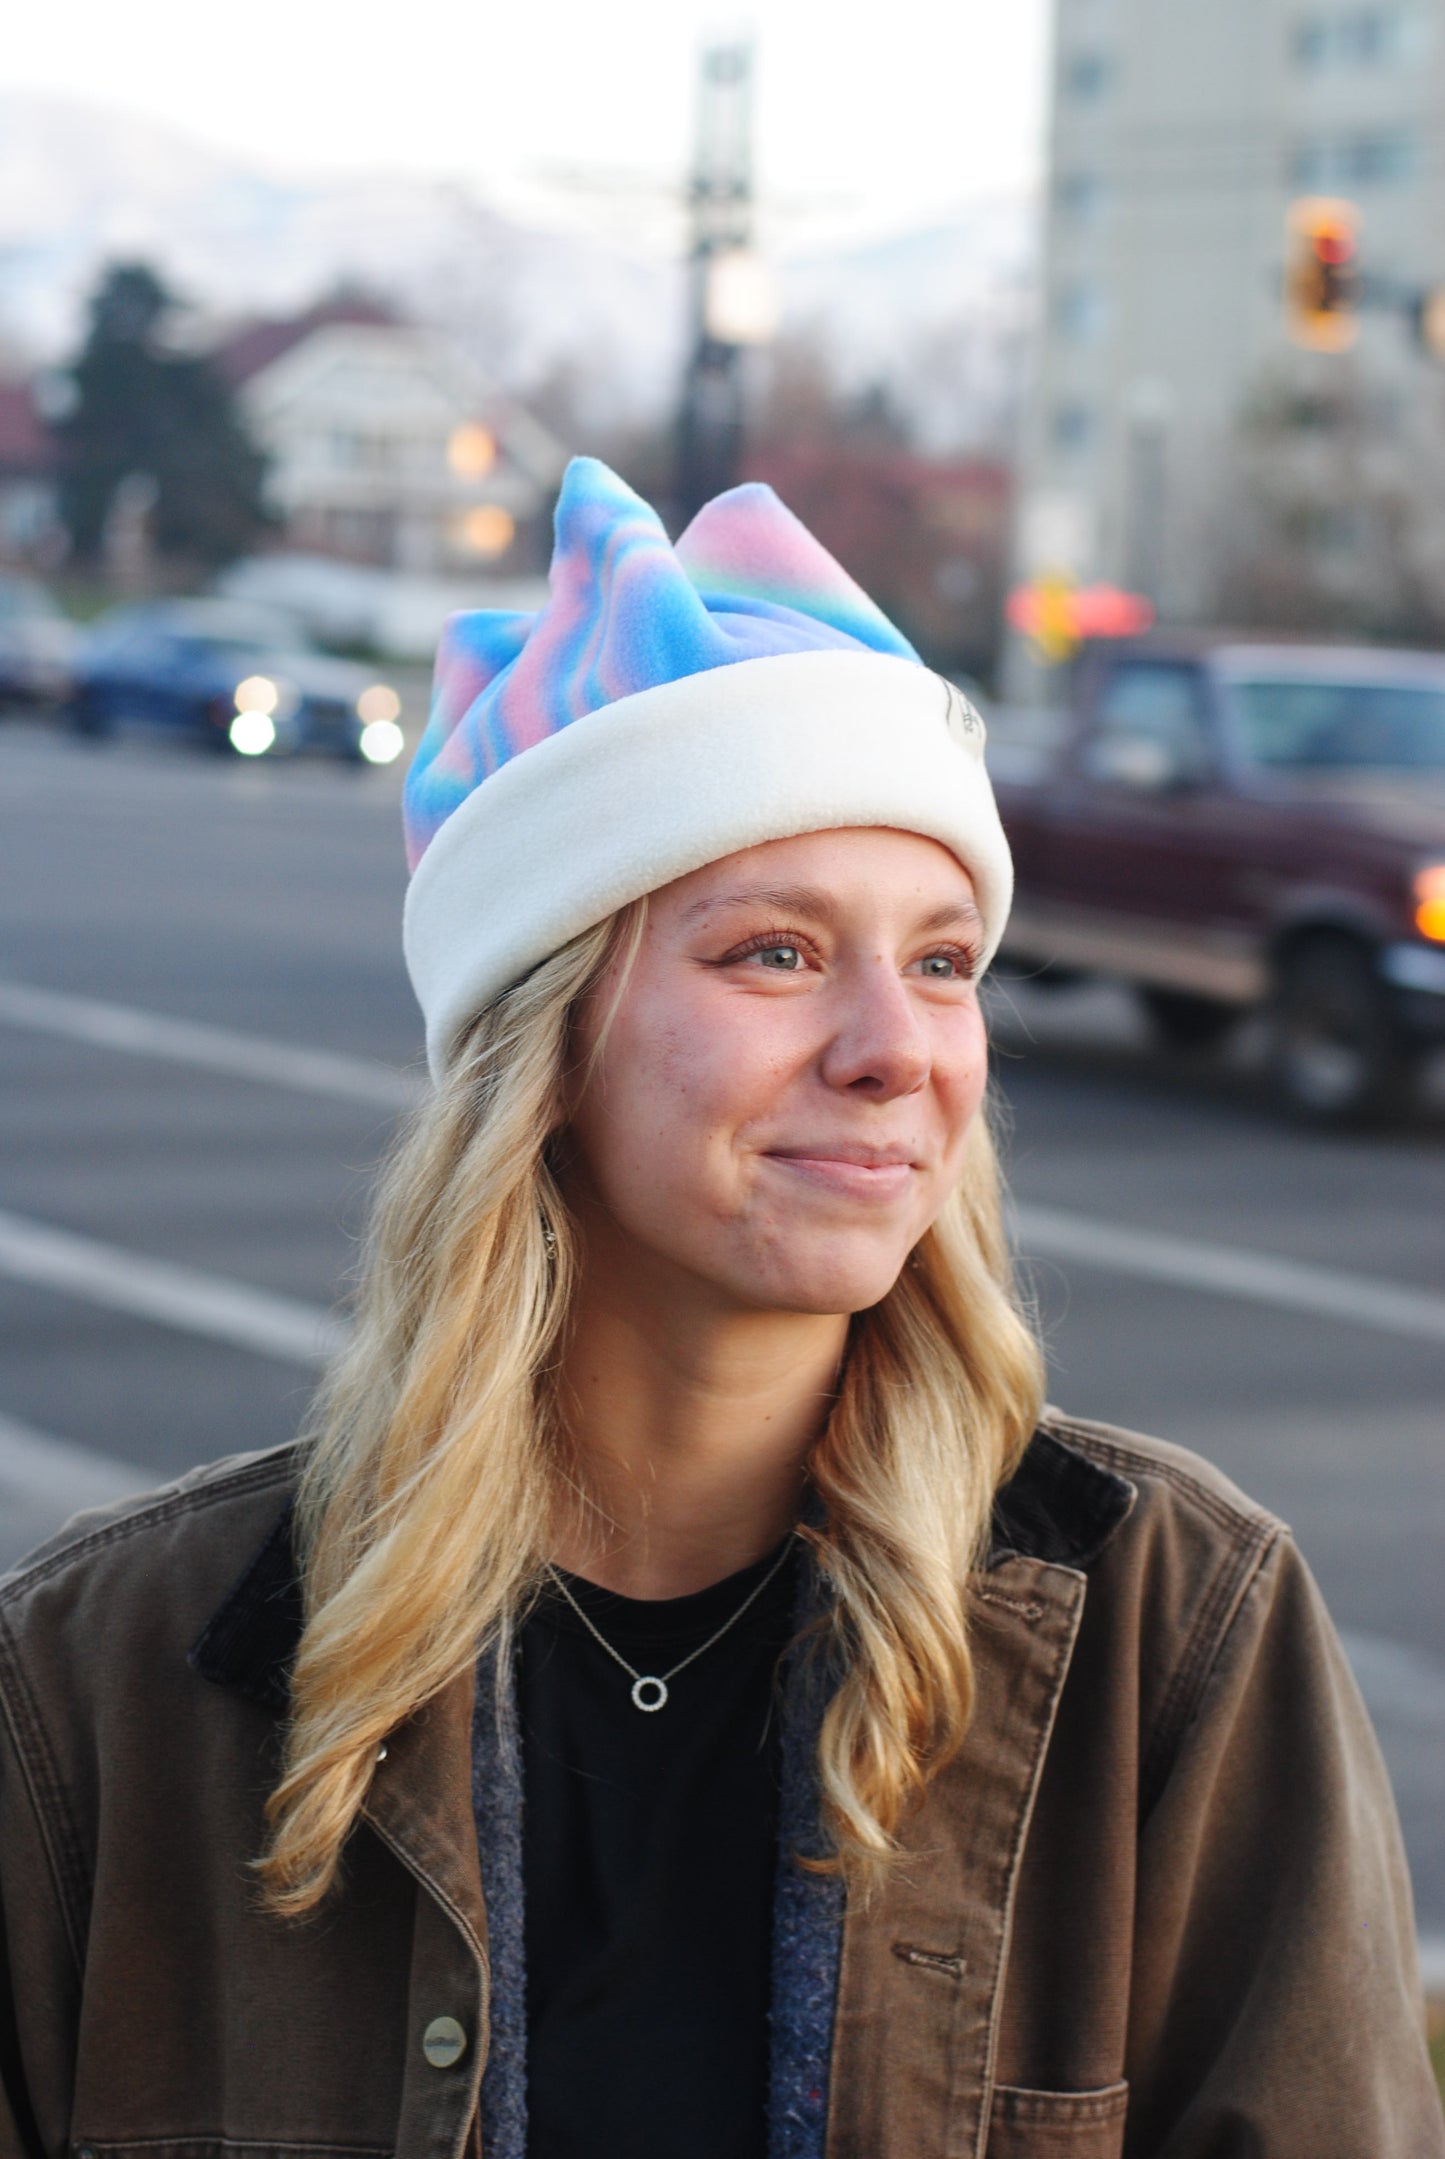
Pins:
x,y
878,1046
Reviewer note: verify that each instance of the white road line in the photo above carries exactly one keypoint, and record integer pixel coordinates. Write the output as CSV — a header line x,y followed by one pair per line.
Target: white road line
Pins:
x,y
1044,1232
1399,1680
183,1297
1230,1271
213,1049
37,1471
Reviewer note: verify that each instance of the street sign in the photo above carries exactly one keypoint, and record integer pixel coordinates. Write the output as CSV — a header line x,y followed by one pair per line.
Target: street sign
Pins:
x,y
1057,615
1430,322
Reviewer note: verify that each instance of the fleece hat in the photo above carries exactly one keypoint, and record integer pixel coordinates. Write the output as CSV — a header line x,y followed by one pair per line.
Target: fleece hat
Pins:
x,y
665,707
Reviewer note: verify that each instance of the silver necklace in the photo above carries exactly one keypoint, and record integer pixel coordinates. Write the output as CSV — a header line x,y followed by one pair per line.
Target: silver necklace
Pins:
x,y
649,1689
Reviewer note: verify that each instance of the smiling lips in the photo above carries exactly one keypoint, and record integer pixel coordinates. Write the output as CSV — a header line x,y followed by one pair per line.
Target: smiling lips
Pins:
x,y
849,1169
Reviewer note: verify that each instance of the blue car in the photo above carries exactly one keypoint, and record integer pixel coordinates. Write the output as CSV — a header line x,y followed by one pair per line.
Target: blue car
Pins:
x,y
234,679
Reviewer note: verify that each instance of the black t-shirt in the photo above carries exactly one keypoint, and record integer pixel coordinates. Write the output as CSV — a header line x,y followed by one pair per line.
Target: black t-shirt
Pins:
x,y
649,1855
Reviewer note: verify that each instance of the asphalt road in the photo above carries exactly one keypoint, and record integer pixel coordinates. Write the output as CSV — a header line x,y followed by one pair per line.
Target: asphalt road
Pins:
x,y
205,1031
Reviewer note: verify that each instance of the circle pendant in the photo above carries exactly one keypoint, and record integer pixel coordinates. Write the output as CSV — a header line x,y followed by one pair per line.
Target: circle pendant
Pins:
x,y
655,1699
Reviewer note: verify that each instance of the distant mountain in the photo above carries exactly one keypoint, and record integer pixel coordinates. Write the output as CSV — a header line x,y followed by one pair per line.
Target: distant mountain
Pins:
x,y
80,184
939,317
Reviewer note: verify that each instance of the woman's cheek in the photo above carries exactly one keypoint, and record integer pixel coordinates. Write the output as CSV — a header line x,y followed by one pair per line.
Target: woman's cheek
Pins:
x,y
961,1066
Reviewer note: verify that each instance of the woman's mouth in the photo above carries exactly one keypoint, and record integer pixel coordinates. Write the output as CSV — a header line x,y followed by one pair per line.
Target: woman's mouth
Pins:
x,y
848,1170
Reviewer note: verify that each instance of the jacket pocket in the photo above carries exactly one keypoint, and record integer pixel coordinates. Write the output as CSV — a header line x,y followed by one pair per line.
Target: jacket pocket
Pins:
x,y
1057,2125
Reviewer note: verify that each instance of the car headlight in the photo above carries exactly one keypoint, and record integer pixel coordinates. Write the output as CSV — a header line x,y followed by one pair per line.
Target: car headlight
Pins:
x,y
258,693
381,742
252,733
1430,902
379,703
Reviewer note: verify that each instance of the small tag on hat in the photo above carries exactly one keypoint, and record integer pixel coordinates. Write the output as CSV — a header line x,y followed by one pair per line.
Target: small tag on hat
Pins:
x,y
962,721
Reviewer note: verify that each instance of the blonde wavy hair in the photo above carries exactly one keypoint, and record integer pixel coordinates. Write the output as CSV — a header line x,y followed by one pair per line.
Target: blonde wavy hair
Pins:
x,y
436,1465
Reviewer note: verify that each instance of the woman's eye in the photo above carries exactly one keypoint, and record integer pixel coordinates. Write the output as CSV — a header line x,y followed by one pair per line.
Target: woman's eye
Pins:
x,y
785,959
945,967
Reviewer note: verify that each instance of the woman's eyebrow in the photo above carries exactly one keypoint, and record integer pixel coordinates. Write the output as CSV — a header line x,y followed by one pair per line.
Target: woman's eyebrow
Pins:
x,y
807,900
786,899
957,915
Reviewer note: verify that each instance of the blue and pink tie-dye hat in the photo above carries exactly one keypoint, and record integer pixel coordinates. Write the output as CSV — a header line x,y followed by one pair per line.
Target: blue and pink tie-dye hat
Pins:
x,y
667,706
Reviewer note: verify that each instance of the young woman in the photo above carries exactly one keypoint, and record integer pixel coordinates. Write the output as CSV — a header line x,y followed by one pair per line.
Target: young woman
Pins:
x,y
683,1698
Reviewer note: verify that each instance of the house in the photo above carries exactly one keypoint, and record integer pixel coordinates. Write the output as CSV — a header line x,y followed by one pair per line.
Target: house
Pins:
x,y
387,445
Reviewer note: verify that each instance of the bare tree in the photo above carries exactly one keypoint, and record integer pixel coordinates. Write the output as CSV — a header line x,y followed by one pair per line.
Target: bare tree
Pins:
x,y
1331,518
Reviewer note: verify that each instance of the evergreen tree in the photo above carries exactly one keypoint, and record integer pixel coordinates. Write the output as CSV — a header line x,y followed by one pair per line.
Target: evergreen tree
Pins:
x,y
140,407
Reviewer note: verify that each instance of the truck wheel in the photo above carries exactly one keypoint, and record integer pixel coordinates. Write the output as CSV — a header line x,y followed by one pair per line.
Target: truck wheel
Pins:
x,y
1337,1054
1183,1022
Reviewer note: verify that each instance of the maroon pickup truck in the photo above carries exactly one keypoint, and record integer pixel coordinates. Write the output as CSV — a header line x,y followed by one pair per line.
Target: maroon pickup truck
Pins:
x,y
1232,826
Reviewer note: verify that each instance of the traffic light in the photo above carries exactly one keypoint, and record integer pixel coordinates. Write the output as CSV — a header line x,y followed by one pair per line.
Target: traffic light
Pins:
x,y
1322,276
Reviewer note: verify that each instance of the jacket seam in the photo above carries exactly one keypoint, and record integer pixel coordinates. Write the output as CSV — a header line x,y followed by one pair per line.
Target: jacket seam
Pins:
x,y
59,1837
452,1909
1009,1873
193,1500
1207,1637
1246,1524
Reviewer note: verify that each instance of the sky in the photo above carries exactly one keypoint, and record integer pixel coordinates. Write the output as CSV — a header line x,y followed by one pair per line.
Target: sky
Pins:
x,y
870,118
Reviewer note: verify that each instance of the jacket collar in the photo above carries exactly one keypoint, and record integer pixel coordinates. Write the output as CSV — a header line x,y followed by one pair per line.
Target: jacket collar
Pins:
x,y
249,1641
1059,1507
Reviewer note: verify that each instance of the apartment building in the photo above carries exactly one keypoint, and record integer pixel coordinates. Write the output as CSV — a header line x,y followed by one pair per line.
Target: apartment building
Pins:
x,y
1177,441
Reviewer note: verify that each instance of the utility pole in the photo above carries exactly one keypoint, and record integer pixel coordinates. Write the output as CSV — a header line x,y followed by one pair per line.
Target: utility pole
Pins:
x,y
730,308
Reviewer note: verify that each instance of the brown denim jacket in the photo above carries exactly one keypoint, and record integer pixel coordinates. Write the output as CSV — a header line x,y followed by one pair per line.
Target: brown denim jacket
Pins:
x,y
1157,1907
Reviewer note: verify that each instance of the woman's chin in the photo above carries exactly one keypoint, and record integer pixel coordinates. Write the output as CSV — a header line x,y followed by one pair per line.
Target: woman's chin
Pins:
x,y
827,1283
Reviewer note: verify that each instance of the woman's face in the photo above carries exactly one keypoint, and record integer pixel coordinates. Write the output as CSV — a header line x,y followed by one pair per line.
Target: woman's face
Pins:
x,y
779,1105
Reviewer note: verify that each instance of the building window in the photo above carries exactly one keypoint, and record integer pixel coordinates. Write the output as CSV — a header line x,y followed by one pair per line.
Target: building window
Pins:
x,y
1387,158
1312,43
1080,313
1384,158
1072,426
1360,37
1079,196
1085,76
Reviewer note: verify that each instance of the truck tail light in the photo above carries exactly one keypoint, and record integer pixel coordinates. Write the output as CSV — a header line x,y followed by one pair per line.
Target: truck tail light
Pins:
x,y
1430,902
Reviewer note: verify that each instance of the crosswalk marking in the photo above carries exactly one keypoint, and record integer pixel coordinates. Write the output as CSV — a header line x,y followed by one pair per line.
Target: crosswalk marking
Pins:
x,y
213,1049
1043,1232
153,1289
1231,1271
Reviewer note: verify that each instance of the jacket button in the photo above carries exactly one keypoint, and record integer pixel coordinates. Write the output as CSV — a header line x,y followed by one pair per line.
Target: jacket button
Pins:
x,y
443,2042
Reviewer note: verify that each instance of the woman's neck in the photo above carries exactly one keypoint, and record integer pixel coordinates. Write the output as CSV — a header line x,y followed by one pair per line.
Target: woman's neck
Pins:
x,y
691,1426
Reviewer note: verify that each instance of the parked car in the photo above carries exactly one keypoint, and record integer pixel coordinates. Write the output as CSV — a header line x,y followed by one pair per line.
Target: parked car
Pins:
x,y
1233,826
36,644
240,680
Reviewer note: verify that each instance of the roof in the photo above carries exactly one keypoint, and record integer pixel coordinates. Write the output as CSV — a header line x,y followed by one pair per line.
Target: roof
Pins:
x,y
256,344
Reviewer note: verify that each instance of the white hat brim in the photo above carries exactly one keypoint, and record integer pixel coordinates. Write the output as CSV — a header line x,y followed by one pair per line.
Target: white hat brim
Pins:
x,y
646,790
